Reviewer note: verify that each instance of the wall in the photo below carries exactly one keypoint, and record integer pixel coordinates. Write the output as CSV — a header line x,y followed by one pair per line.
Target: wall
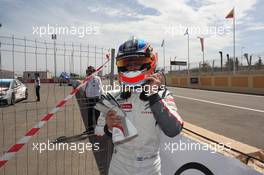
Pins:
x,y
31,75
6,74
252,83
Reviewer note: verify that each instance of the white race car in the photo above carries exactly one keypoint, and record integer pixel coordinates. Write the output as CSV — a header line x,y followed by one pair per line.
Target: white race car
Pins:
x,y
12,90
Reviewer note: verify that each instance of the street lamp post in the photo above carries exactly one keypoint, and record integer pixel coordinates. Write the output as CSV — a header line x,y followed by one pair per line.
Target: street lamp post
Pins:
x,y
54,37
188,58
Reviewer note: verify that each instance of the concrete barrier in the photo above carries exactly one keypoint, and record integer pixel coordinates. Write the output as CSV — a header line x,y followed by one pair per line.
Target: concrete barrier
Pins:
x,y
241,83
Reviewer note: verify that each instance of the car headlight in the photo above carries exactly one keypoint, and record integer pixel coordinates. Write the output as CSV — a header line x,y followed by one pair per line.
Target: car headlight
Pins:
x,y
3,93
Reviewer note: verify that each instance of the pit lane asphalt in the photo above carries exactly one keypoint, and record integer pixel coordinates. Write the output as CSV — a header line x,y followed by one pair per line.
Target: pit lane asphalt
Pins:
x,y
237,116
17,119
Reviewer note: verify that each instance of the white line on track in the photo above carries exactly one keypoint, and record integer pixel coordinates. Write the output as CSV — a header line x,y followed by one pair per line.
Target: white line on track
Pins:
x,y
220,92
222,104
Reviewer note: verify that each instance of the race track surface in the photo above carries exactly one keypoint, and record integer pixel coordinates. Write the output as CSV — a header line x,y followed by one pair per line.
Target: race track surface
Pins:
x,y
237,116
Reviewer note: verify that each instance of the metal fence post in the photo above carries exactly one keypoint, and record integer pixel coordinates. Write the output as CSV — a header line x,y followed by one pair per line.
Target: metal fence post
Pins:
x,y
87,57
95,56
25,54
46,56
102,50
13,55
72,59
80,59
36,56
54,37
112,67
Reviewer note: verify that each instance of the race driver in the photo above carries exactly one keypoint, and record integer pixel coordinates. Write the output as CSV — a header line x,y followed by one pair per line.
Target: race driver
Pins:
x,y
150,112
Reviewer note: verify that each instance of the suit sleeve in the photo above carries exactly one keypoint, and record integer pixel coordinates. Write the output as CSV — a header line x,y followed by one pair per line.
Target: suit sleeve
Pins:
x,y
166,115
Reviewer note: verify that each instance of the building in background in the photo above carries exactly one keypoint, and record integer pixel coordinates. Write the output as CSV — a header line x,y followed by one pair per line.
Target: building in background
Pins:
x,y
6,74
29,75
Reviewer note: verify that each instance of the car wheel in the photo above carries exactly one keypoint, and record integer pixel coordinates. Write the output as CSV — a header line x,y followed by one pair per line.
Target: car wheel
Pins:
x,y
13,99
26,95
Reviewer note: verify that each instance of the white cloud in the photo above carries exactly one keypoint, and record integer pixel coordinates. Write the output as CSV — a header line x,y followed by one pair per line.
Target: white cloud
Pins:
x,y
254,26
152,27
174,13
113,12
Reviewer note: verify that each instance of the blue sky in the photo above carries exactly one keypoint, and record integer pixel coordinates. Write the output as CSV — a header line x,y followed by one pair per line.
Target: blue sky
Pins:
x,y
120,19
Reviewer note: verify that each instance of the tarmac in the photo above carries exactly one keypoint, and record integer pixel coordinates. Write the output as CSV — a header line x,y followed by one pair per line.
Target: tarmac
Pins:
x,y
16,120
236,116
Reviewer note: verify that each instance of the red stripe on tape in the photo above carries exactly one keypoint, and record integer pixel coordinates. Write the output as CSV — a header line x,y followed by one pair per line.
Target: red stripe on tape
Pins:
x,y
61,103
99,68
88,78
32,132
2,162
74,91
16,147
47,117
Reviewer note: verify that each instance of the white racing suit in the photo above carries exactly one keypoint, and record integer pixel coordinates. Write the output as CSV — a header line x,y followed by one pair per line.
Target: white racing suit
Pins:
x,y
140,155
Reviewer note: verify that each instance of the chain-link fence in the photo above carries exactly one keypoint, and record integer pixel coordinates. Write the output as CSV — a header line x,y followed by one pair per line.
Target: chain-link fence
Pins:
x,y
21,59
19,55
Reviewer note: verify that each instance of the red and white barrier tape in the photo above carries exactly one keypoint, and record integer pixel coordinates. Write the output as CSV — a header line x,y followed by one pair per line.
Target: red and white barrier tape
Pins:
x,y
33,131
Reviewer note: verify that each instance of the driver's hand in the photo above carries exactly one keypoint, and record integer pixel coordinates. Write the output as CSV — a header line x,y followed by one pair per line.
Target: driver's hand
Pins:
x,y
155,82
112,119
